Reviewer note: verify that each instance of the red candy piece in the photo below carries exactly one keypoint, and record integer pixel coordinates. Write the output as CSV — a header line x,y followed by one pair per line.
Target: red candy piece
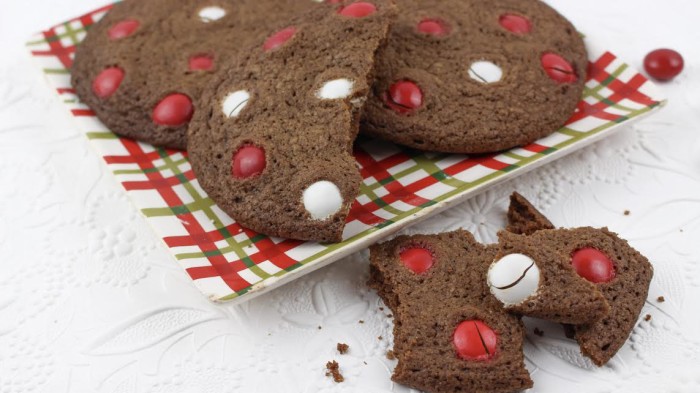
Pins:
x,y
107,82
418,259
474,340
201,63
558,69
404,96
516,24
248,161
663,64
358,10
123,29
434,27
593,265
279,38
173,110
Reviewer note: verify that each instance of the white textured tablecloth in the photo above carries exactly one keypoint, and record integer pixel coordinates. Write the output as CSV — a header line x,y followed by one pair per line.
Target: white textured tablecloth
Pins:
x,y
90,301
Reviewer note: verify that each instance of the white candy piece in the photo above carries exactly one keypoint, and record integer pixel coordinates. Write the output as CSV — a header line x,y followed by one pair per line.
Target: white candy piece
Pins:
x,y
335,89
322,199
513,278
211,14
235,102
484,71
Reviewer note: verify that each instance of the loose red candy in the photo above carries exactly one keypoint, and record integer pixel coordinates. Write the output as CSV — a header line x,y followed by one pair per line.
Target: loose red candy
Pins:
x,y
593,265
474,340
516,24
248,161
358,10
279,38
201,63
558,69
418,259
173,110
404,96
123,29
434,27
107,82
663,64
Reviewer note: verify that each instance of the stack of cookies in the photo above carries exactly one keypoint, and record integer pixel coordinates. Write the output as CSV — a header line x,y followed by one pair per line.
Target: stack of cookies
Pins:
x,y
268,96
457,303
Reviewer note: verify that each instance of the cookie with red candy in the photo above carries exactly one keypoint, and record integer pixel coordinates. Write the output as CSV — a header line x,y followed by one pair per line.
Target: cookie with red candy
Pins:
x,y
476,76
619,272
457,303
142,67
450,333
272,142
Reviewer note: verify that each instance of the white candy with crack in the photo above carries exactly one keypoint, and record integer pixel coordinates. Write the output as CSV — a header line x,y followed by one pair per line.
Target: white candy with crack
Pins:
x,y
322,200
235,102
513,279
484,71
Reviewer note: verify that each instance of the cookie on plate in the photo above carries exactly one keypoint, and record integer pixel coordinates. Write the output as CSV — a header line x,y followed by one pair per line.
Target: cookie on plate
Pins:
x,y
272,143
450,333
476,76
142,67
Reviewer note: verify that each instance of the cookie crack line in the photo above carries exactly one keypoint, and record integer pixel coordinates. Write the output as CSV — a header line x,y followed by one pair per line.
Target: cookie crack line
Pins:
x,y
230,114
516,282
568,72
483,343
481,78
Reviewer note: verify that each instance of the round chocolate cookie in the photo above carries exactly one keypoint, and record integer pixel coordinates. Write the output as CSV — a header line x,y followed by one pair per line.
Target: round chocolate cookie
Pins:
x,y
142,67
272,141
476,76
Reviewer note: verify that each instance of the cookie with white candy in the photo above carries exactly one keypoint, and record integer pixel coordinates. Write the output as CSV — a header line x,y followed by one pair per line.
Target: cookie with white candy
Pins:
x,y
450,334
476,76
272,146
533,277
142,67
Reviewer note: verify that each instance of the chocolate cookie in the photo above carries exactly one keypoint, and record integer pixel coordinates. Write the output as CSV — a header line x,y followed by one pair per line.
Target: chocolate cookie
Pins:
x,y
619,272
272,144
525,219
450,333
142,67
475,76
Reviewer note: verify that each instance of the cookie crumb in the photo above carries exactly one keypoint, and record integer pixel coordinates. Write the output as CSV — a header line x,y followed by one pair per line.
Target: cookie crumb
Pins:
x,y
390,315
627,212
390,355
380,338
342,348
361,321
333,369
539,332
660,299
381,308
647,317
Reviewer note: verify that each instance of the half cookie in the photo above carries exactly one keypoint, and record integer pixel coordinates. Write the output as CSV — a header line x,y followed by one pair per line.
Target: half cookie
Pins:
x,y
620,273
450,334
142,67
533,276
272,144
476,76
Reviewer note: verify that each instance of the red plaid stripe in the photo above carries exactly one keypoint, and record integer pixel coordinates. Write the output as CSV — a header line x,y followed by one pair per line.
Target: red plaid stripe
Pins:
x,y
161,185
621,90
